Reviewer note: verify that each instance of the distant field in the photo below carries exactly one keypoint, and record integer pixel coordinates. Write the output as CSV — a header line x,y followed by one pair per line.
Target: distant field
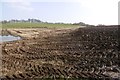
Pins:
x,y
37,25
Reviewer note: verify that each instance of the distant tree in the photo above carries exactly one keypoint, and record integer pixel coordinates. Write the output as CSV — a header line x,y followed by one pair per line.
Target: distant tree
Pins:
x,y
29,20
100,25
80,23
4,22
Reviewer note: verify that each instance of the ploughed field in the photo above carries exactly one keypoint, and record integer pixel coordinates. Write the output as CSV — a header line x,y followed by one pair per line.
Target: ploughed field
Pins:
x,y
83,52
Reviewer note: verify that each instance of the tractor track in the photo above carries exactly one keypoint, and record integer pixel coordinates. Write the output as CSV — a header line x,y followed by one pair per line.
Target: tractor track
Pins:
x,y
81,53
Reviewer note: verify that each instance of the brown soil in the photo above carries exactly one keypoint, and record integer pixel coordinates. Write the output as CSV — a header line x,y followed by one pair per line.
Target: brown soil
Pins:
x,y
47,53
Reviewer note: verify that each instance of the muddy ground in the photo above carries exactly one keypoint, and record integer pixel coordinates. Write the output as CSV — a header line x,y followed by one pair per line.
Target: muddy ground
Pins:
x,y
75,53
35,32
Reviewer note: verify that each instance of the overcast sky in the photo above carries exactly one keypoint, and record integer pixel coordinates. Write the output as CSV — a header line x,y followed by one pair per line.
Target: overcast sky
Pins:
x,y
67,11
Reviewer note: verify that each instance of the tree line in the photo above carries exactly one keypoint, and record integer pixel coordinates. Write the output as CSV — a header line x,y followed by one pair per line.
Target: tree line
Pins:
x,y
39,21
16,21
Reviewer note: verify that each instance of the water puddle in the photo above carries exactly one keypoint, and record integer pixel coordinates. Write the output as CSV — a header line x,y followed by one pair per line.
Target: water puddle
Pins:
x,y
8,38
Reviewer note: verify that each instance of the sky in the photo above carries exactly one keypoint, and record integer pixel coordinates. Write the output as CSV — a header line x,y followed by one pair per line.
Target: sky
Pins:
x,y
92,12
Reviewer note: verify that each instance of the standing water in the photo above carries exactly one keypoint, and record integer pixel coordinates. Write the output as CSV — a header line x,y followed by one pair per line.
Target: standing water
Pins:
x,y
8,38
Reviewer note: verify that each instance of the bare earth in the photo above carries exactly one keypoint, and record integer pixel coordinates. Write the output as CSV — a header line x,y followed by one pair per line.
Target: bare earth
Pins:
x,y
62,53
